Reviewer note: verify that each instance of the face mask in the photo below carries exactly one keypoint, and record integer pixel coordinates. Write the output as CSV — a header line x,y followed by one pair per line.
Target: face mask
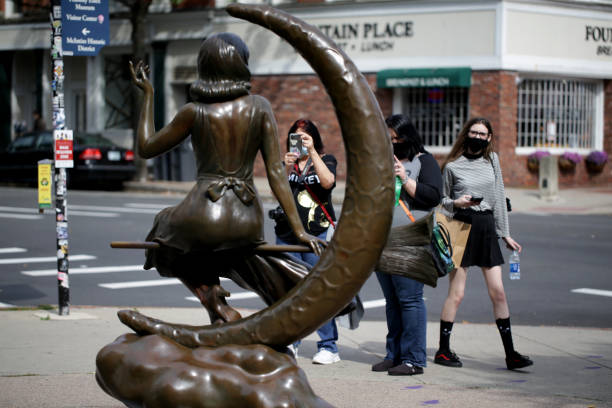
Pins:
x,y
476,144
400,150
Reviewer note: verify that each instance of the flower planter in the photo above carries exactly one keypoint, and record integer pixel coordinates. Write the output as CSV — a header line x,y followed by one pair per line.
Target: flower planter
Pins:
x,y
566,166
594,168
533,165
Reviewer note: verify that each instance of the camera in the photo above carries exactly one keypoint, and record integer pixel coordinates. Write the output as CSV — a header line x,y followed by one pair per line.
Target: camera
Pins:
x,y
277,214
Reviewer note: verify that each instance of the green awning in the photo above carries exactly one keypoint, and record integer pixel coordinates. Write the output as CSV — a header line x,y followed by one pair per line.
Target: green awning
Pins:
x,y
424,78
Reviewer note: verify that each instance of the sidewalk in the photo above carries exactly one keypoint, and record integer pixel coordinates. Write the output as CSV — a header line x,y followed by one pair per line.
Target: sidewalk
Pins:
x,y
592,200
51,363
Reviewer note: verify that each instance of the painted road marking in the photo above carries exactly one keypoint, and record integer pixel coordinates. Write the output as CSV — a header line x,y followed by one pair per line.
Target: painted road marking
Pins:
x,y
144,283
235,296
72,212
98,269
372,304
21,216
35,216
143,205
140,284
117,209
12,250
597,292
40,259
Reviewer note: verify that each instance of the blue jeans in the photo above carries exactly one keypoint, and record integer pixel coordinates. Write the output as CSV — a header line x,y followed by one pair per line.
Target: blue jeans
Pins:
x,y
328,333
406,319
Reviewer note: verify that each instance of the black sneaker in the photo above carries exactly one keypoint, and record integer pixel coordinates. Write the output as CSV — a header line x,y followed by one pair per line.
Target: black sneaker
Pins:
x,y
383,365
405,369
517,360
447,358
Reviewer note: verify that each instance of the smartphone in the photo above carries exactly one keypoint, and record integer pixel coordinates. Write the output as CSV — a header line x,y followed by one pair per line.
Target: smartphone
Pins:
x,y
475,199
295,143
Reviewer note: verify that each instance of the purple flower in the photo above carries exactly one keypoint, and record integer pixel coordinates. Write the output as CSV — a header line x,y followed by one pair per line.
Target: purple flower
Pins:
x,y
597,157
572,156
537,155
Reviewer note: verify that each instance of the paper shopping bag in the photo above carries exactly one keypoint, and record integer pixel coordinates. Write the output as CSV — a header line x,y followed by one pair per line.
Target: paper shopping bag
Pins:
x,y
459,232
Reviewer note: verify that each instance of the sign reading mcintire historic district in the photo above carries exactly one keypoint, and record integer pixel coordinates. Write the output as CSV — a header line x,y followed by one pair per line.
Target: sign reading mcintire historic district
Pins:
x,y
85,26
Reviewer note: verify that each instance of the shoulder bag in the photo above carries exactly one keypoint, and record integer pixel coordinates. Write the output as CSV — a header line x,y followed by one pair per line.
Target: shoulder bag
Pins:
x,y
440,245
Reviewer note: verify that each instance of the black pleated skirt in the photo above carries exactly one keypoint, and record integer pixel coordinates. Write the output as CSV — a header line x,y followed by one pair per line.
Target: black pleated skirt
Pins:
x,y
482,248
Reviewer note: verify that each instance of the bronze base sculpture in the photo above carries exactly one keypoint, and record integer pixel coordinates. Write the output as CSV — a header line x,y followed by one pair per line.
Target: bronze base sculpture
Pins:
x,y
155,372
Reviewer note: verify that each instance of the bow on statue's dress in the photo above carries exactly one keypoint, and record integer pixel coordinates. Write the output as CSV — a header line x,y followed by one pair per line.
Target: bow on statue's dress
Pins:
x,y
243,190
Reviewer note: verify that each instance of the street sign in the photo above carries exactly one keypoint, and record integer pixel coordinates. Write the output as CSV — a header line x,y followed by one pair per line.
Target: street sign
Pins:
x,y
85,26
63,149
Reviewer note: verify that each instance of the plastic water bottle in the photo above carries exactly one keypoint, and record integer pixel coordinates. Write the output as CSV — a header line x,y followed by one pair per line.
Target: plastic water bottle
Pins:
x,y
515,266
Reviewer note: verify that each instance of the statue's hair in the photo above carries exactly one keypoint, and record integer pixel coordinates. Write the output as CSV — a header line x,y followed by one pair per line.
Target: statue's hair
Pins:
x,y
223,69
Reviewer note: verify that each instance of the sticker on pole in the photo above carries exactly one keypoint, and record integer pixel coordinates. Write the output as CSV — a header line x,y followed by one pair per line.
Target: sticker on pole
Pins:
x,y
45,181
63,149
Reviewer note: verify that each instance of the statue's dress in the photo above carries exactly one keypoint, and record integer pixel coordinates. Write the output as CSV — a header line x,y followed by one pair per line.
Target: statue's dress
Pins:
x,y
214,230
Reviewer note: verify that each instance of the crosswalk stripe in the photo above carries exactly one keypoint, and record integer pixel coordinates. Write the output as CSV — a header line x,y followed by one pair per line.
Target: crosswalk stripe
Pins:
x,y
72,212
22,216
371,304
598,292
98,269
140,284
117,209
40,259
147,205
12,250
234,296
20,209
32,213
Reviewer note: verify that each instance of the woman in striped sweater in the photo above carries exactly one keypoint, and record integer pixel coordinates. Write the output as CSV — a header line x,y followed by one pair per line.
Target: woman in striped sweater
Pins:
x,y
474,193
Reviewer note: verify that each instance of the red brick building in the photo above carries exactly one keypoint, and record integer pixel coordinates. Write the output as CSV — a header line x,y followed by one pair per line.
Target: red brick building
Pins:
x,y
541,71
558,103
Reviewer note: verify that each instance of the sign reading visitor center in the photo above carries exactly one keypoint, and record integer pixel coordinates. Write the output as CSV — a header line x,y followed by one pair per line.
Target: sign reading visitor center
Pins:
x,y
85,26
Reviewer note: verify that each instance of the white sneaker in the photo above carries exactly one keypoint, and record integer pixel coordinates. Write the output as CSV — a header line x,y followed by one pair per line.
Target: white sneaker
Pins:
x,y
325,357
294,350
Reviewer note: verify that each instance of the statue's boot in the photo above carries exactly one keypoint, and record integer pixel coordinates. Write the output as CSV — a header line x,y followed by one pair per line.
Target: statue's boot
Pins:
x,y
213,299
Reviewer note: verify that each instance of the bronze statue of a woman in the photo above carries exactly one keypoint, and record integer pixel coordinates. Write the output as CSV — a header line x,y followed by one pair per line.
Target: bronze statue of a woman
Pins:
x,y
214,230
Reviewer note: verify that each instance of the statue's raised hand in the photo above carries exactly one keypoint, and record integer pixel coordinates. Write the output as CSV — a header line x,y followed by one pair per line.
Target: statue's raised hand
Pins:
x,y
140,74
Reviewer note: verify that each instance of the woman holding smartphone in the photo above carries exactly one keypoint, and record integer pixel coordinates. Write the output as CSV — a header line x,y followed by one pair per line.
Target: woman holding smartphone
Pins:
x,y
474,193
312,177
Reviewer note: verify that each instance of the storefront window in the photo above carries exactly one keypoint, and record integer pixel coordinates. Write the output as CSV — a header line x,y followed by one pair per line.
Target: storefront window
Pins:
x,y
437,113
118,108
557,113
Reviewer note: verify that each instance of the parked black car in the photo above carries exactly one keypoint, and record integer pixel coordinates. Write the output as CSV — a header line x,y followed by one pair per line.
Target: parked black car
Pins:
x,y
96,159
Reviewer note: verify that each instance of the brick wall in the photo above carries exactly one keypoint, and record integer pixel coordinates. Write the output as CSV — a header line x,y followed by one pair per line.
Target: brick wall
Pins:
x,y
493,95
303,96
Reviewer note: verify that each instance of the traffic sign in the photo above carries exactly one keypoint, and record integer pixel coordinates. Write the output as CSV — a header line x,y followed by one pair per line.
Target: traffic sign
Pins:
x,y
85,26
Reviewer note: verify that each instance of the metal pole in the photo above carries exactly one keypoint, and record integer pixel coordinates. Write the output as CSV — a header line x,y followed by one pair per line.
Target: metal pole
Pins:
x,y
59,123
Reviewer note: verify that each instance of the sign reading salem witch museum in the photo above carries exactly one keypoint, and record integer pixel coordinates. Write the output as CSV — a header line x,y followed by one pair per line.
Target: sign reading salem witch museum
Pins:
x,y
85,26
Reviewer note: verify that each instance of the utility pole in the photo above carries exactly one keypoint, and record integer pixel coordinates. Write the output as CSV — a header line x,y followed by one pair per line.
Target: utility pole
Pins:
x,y
63,152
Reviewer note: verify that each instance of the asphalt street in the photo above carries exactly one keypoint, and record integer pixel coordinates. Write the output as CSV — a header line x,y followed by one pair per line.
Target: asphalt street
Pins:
x,y
564,263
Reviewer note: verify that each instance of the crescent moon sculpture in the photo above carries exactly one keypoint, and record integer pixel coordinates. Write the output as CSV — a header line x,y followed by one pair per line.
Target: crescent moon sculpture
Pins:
x,y
366,212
